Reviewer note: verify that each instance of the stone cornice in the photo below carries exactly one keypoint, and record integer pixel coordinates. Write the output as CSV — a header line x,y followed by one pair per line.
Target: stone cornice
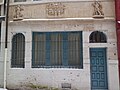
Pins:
x,y
49,1
66,19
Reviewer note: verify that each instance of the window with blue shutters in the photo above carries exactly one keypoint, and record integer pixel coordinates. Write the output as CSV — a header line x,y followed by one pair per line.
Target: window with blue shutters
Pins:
x,y
18,51
57,50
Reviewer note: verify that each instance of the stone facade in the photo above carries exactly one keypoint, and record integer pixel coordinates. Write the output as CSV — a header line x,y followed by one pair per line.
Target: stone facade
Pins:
x,y
68,16
78,9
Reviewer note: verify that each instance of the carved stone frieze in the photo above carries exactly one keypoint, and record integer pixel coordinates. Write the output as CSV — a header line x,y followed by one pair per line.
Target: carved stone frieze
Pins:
x,y
55,9
18,12
98,12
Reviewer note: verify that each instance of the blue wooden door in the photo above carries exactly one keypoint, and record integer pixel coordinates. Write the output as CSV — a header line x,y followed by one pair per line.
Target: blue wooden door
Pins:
x,y
98,68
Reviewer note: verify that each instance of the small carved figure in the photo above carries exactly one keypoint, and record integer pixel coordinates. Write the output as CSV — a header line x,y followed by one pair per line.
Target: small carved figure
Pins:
x,y
55,9
18,11
97,8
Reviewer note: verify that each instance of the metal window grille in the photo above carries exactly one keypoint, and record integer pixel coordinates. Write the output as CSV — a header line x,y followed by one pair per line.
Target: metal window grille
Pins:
x,y
97,37
18,51
57,49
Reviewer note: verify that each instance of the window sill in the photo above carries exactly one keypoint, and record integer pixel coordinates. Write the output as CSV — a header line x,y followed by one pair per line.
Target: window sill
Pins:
x,y
65,69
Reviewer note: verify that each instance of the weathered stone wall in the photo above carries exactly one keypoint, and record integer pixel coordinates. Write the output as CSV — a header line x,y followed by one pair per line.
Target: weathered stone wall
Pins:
x,y
35,19
1,1
54,77
78,9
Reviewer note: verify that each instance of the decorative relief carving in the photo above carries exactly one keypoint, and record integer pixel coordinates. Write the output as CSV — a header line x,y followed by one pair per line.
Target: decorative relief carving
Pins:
x,y
18,12
55,9
97,9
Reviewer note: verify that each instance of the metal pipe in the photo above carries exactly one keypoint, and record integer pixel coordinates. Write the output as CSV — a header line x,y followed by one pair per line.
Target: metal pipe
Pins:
x,y
5,68
6,20
6,39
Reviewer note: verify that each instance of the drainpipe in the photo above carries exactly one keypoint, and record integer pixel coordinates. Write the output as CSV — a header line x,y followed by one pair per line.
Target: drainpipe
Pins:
x,y
6,39
117,12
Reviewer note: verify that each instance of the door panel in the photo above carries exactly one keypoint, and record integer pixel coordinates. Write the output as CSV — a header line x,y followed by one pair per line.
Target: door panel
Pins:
x,y
98,68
